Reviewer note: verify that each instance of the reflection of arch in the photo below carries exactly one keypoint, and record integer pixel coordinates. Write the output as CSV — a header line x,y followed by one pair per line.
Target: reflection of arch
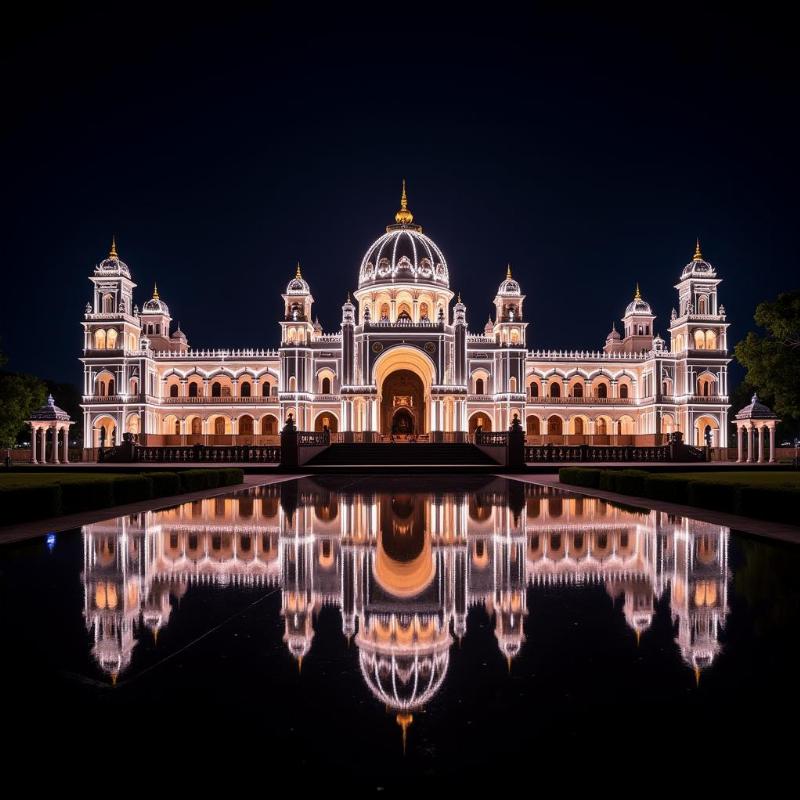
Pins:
x,y
406,577
326,419
479,418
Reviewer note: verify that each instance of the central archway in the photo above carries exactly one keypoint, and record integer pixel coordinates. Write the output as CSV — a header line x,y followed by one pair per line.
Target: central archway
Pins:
x,y
404,377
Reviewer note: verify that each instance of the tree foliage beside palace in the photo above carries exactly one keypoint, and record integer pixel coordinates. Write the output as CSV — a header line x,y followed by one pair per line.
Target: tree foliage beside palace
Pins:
x,y
20,395
772,358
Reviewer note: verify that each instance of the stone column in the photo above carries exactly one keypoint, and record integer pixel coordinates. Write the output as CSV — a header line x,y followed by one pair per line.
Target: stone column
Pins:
x,y
740,443
66,444
55,443
43,434
34,432
751,450
761,438
772,444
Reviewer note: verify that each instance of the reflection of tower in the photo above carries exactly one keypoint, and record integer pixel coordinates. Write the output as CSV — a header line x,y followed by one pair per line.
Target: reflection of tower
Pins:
x,y
113,578
510,595
699,596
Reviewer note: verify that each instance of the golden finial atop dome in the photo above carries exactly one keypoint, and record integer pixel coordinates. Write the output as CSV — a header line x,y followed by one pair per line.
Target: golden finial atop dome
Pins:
x,y
155,291
698,256
298,273
638,295
404,216
459,298
508,272
112,253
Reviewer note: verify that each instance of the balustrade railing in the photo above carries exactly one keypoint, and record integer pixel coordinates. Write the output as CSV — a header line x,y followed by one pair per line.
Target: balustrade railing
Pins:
x,y
568,401
492,438
231,400
598,453
220,454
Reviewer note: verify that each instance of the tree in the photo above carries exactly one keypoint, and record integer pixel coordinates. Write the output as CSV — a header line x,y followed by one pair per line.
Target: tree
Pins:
x,y
20,395
772,360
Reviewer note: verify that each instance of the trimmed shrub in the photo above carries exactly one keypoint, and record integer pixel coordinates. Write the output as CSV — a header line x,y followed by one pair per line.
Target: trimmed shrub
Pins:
x,y
164,483
781,504
580,476
213,477
29,502
717,496
667,488
630,481
84,495
132,489
231,476
194,480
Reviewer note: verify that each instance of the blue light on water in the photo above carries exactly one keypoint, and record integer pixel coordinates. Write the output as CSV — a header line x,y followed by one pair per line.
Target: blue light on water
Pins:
x,y
51,541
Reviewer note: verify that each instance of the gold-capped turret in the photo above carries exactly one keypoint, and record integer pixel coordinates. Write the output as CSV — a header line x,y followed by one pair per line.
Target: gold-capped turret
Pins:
x,y
112,253
698,256
155,291
638,295
404,216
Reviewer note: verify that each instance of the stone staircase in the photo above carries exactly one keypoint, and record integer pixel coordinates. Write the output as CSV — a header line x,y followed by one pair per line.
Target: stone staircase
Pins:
x,y
395,456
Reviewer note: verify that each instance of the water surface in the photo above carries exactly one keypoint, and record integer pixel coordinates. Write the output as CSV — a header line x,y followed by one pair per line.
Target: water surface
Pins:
x,y
383,630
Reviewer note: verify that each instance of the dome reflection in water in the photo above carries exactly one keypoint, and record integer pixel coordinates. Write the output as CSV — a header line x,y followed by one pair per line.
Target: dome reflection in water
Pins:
x,y
404,567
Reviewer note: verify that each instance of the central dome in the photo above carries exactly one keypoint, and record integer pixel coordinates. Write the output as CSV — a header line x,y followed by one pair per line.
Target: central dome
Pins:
x,y
404,254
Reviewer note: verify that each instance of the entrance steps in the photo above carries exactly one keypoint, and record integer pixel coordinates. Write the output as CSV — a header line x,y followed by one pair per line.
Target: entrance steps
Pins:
x,y
403,456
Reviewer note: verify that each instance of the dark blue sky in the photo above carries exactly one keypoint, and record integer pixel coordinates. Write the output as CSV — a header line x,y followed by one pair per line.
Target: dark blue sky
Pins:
x,y
588,150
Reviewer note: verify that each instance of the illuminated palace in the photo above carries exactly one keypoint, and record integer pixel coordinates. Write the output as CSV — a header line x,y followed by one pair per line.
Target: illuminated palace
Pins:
x,y
404,362
404,570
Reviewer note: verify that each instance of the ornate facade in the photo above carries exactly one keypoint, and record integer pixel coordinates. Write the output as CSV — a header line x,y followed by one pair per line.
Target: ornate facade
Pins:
x,y
404,362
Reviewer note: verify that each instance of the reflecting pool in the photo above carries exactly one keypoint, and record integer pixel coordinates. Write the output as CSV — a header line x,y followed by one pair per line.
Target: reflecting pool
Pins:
x,y
393,628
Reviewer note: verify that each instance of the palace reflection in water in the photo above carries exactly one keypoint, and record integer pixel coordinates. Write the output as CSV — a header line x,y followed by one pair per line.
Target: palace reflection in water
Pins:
x,y
403,568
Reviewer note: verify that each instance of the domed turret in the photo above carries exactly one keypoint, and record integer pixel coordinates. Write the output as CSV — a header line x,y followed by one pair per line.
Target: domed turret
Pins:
x,y
112,264
298,284
155,305
698,267
638,305
509,287
404,255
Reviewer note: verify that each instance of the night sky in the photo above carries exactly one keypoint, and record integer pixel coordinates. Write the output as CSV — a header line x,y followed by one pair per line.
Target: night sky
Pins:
x,y
587,150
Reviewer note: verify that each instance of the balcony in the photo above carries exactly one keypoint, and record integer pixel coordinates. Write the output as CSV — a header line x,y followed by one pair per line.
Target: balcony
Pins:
x,y
717,399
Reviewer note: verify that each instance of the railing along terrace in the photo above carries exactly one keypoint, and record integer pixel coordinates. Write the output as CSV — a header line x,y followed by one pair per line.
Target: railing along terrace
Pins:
x,y
218,353
565,401
221,454
231,400
492,438
590,354
598,453
313,438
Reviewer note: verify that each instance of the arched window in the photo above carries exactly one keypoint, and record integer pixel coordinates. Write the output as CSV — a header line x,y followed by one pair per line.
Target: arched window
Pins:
x,y
101,388
699,340
555,389
555,425
702,305
533,389
173,390
623,390
601,426
219,426
512,384
111,387
108,304
578,426
134,386
602,390
711,340
246,426
111,339
245,390
193,389
293,384
577,390
100,340
216,389
197,426
326,385
479,387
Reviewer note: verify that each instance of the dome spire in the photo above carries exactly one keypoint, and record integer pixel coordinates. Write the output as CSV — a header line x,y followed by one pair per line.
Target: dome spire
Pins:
x,y
508,271
638,295
155,291
404,216
698,256
112,253
298,274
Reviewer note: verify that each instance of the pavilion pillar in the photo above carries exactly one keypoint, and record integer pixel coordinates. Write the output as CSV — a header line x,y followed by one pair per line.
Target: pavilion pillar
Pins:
x,y
761,438
66,445
43,434
740,443
34,433
751,449
772,444
55,443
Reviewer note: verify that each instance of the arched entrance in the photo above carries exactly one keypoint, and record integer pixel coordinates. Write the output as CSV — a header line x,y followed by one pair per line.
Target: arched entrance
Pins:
x,y
402,403
326,420
480,419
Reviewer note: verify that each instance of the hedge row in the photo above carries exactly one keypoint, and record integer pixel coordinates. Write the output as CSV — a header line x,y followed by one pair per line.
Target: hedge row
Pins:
x,y
777,503
73,493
